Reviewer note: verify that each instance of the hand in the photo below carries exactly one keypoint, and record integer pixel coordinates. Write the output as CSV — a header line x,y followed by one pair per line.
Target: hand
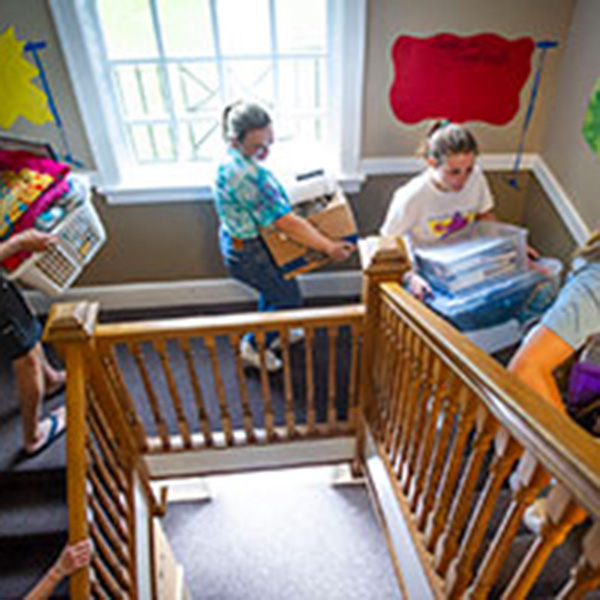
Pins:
x,y
74,557
532,253
33,240
339,251
418,286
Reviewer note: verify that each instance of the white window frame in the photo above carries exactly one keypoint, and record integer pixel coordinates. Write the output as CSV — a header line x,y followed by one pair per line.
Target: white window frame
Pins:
x,y
122,182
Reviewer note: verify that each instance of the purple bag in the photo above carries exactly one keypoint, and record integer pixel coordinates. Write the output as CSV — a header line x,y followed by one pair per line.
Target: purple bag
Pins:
x,y
584,384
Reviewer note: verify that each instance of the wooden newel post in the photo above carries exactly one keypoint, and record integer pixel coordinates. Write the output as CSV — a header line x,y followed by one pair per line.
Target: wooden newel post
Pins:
x,y
71,328
382,261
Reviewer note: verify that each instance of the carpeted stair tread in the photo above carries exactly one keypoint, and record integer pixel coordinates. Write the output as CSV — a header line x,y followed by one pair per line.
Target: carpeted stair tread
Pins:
x,y
30,513
27,566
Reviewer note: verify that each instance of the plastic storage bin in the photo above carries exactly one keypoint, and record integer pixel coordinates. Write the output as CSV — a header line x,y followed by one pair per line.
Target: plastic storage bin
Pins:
x,y
523,295
488,250
80,236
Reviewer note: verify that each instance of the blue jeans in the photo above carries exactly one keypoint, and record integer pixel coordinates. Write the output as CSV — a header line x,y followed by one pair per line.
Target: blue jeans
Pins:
x,y
253,265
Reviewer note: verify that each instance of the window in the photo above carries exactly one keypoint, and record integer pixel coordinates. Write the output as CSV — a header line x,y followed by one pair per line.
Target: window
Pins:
x,y
166,68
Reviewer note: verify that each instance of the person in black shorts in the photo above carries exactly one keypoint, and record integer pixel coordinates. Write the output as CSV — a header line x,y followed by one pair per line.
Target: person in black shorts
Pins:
x,y
20,334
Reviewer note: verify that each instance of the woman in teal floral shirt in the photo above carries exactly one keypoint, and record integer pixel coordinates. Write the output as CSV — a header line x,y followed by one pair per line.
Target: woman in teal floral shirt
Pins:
x,y
249,197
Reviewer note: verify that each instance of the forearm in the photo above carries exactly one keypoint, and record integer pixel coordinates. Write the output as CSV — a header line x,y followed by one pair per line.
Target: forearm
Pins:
x,y
46,585
8,248
540,381
301,231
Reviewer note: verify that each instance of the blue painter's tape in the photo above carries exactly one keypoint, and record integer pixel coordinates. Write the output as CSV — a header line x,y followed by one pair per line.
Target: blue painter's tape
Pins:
x,y
547,44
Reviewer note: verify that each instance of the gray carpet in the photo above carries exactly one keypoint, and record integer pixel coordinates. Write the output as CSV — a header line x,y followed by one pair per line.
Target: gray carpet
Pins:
x,y
285,534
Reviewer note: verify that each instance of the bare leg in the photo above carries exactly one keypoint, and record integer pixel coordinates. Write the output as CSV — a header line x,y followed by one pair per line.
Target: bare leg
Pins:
x,y
30,385
53,379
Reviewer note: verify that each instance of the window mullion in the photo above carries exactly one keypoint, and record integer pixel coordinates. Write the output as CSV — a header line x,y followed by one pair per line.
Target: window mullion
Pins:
x,y
274,50
214,17
165,76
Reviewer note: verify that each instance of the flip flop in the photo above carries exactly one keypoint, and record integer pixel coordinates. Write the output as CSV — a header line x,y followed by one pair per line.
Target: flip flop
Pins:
x,y
53,434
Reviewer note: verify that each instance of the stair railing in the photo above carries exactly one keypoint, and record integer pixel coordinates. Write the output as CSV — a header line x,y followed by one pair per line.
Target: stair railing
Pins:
x,y
124,379
467,448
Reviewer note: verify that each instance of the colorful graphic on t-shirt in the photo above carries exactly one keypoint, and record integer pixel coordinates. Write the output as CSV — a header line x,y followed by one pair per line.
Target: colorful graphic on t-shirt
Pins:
x,y
444,227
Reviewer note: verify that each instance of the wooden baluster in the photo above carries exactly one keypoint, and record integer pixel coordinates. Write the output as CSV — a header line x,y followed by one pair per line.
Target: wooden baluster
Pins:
x,y
399,390
106,478
447,545
531,478
412,387
109,378
112,509
117,542
507,451
387,367
188,354
562,514
424,386
464,425
379,360
182,423
288,392
332,335
266,388
405,394
235,340
311,416
399,333
585,577
98,591
121,574
211,346
100,430
446,381
161,425
353,383
450,404
106,577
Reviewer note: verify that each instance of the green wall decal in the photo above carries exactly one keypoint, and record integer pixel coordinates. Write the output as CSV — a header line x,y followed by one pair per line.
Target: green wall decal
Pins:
x,y
591,123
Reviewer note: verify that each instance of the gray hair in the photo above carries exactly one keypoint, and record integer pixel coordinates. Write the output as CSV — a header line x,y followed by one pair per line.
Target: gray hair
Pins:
x,y
241,117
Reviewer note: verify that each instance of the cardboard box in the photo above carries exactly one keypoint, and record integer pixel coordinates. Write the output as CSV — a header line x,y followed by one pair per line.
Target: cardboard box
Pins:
x,y
335,220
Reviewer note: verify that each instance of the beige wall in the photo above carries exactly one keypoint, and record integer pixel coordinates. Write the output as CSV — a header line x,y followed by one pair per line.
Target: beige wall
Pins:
x,y
567,154
384,135
162,242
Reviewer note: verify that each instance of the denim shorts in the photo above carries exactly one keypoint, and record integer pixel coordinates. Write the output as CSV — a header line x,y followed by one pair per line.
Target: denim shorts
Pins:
x,y
20,329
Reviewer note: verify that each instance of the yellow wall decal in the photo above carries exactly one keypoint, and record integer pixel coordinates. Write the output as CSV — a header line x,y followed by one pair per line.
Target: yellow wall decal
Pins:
x,y
20,96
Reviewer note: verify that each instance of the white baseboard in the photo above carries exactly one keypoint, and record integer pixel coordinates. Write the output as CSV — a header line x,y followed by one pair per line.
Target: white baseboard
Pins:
x,y
415,582
248,458
561,201
194,293
406,165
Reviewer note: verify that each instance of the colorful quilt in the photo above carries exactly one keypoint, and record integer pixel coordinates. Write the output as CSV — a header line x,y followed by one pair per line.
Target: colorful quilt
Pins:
x,y
26,182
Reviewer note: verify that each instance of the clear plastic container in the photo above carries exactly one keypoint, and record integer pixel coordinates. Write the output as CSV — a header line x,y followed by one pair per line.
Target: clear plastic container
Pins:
x,y
523,295
466,260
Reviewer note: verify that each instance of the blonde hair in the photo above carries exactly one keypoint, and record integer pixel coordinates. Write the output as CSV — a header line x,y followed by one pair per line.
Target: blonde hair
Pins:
x,y
590,251
445,139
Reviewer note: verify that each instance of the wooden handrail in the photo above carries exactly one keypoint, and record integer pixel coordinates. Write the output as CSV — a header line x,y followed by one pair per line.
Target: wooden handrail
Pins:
x,y
568,452
138,331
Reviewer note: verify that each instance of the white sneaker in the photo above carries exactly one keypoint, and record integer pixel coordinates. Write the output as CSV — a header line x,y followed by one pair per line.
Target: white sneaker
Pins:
x,y
535,515
296,335
251,356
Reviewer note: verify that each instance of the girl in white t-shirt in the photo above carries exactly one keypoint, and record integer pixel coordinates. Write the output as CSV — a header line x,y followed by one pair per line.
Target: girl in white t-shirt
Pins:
x,y
447,197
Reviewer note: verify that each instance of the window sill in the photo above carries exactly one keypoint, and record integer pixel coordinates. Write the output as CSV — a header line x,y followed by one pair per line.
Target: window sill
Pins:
x,y
162,189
